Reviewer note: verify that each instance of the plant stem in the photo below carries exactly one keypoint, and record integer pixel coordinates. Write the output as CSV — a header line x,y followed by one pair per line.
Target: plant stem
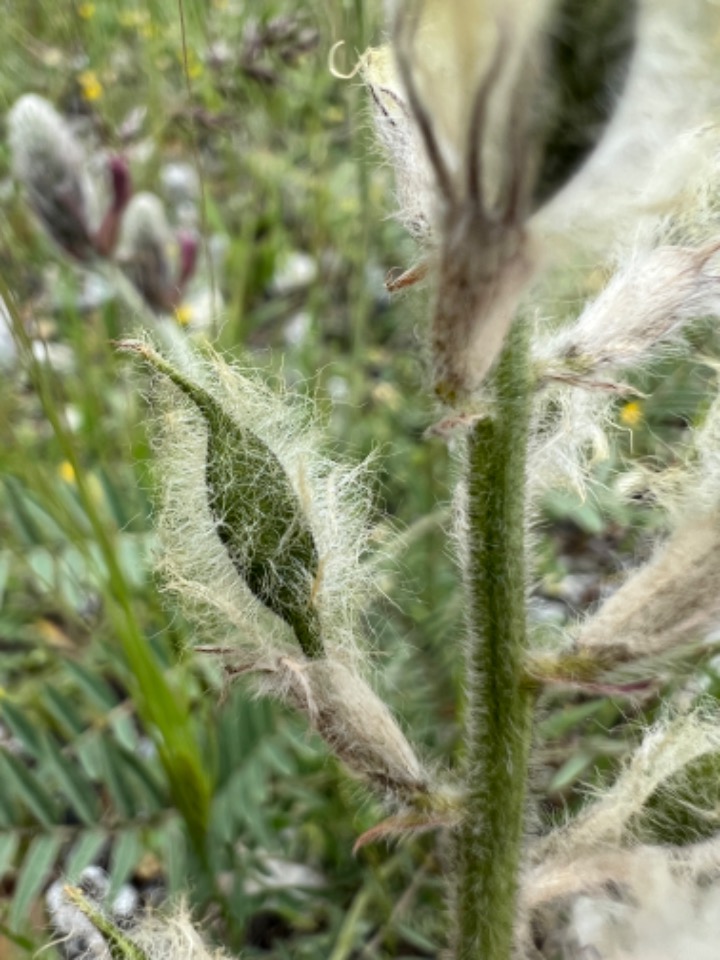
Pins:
x,y
499,701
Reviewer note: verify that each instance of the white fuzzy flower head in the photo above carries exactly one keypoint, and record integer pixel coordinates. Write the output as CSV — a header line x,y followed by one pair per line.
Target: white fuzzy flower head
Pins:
x,y
51,165
90,927
630,900
666,917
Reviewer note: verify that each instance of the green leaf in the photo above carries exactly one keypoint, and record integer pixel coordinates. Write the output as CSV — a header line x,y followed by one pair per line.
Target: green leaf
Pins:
x,y
73,782
570,771
5,562
8,847
25,943
27,789
150,787
562,720
126,852
8,813
22,728
175,859
37,864
33,524
84,853
162,710
63,712
116,780
93,686
125,731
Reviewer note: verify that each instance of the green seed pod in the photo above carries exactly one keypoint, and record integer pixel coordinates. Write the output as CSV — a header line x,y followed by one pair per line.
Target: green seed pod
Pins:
x,y
258,515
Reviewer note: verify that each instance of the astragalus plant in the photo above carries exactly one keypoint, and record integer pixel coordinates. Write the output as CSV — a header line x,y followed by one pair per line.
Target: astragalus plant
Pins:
x,y
526,138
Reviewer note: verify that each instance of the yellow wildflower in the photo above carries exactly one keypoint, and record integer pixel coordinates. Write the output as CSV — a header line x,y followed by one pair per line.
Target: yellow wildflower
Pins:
x,y
149,30
184,314
631,414
90,86
386,394
86,10
192,66
66,471
133,19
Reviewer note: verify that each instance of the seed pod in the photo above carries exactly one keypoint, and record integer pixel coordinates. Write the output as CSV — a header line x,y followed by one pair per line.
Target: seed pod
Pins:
x,y
258,515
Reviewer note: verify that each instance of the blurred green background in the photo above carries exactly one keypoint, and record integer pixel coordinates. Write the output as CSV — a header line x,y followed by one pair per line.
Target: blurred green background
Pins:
x,y
117,745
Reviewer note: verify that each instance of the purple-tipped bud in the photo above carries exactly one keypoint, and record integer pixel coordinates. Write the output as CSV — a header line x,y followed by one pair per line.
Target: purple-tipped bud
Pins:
x,y
145,252
188,246
50,164
107,234
121,182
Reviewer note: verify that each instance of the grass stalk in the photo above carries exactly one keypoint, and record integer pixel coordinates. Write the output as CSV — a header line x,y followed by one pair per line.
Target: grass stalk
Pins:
x,y
499,701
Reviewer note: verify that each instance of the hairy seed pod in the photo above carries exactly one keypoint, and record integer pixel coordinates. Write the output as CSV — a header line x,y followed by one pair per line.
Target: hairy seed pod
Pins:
x,y
258,515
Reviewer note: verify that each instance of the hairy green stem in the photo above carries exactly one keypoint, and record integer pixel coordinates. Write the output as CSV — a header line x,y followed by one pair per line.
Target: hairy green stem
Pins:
x,y
499,700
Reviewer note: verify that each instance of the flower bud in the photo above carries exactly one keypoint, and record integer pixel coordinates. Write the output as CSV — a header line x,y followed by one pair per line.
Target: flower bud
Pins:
x,y
121,190
145,251
50,163
158,263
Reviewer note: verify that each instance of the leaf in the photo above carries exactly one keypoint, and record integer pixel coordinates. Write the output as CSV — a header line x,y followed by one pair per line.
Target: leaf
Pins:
x,y
92,685
417,939
570,771
126,852
84,853
63,712
37,864
28,790
73,782
5,562
174,848
8,847
152,789
116,780
90,751
125,731
132,557
26,516
25,943
563,720
23,729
